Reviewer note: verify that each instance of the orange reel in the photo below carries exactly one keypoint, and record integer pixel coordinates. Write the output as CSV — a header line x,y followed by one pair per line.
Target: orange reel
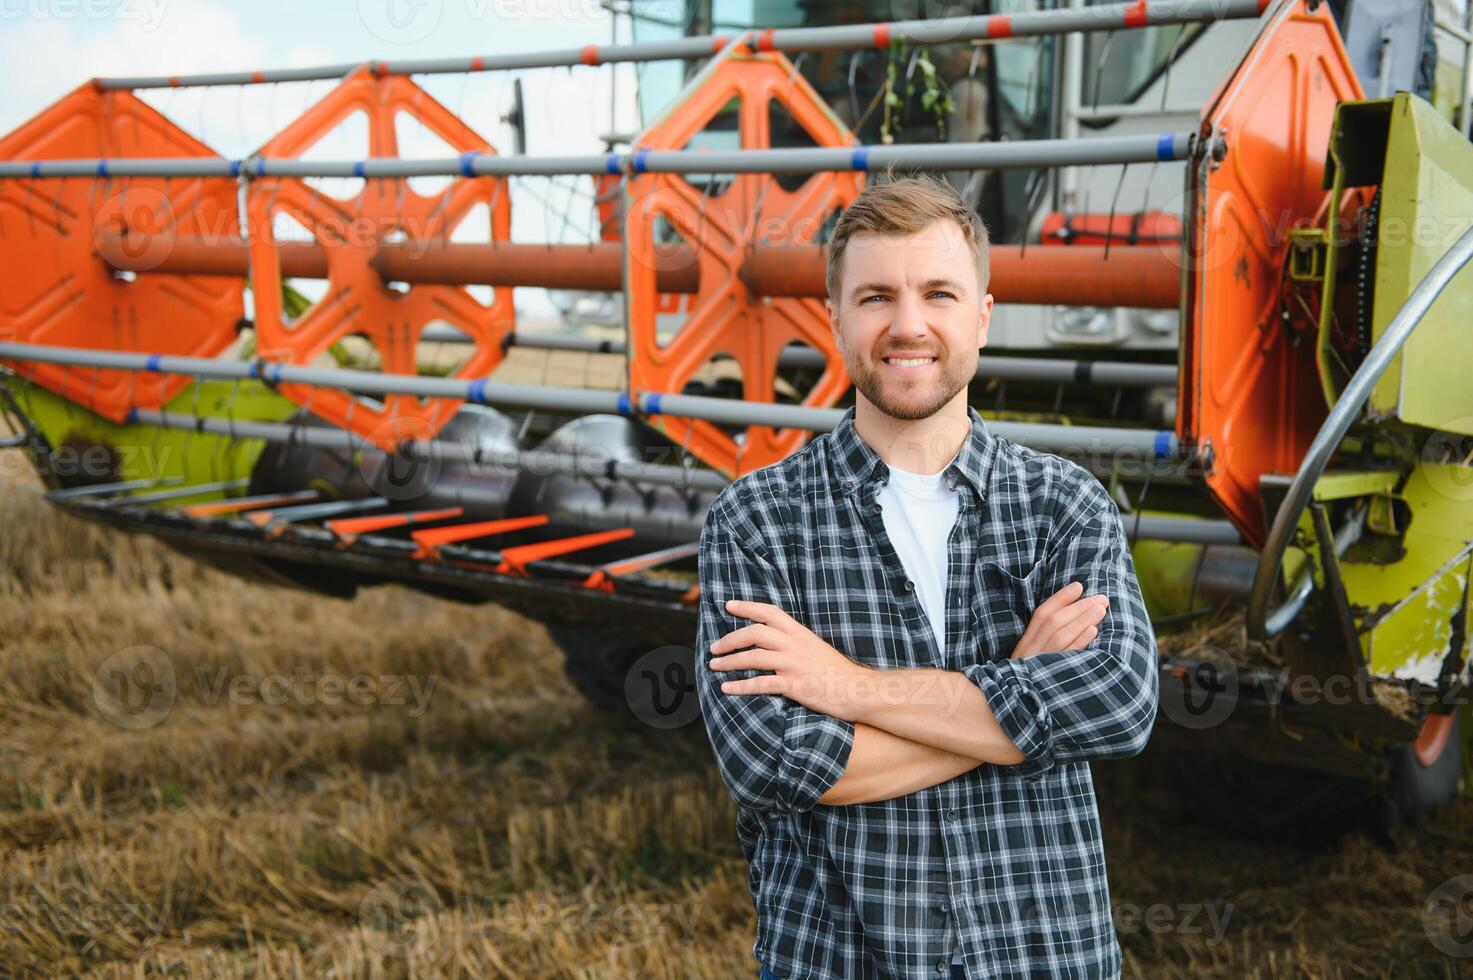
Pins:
x,y
720,228
358,301
55,290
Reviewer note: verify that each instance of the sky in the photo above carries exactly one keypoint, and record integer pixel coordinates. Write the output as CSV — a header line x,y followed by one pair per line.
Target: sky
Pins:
x,y
48,47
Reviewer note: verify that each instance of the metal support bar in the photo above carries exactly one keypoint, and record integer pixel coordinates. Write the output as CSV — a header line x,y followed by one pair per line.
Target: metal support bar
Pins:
x,y
99,489
1260,621
1155,444
1044,369
182,493
1011,155
312,512
1106,17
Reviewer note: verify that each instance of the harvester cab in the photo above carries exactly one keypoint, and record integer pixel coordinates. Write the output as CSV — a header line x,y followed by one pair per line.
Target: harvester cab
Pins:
x,y
1229,252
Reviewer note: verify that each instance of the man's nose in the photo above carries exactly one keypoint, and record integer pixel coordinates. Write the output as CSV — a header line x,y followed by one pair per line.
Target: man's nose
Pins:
x,y
910,317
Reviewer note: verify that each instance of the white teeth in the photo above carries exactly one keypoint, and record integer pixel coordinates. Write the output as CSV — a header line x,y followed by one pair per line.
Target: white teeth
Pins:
x,y
909,361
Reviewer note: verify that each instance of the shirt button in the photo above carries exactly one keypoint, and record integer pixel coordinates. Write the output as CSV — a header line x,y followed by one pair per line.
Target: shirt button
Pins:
x,y
952,815
910,586
943,967
946,908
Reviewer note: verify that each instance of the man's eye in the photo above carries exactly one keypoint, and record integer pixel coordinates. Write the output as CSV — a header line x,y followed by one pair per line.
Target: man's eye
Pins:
x,y
942,292
868,298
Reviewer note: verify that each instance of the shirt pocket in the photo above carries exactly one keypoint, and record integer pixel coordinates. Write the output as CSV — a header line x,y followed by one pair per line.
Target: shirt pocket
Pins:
x,y
1002,604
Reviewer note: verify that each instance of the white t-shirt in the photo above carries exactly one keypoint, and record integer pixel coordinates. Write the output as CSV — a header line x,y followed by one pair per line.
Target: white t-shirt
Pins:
x,y
919,511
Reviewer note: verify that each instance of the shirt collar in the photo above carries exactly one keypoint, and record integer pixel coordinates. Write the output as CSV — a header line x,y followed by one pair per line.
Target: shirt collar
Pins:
x,y
856,463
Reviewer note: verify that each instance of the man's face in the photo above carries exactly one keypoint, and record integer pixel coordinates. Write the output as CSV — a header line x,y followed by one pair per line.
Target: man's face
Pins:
x,y
910,318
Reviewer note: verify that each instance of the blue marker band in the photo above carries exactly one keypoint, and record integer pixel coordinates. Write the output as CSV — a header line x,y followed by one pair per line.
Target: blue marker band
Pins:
x,y
1163,445
255,371
623,403
132,415
860,159
35,170
611,163
467,164
639,161
358,169
652,403
153,363
235,168
102,168
476,391
1166,147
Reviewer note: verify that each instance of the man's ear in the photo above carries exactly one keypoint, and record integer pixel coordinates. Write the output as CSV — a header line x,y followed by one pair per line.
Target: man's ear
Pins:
x,y
985,320
833,315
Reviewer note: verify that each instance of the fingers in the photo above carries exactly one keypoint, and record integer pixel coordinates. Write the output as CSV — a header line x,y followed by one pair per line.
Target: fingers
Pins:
x,y
1059,599
1064,627
762,612
1079,640
749,660
1085,612
762,684
756,635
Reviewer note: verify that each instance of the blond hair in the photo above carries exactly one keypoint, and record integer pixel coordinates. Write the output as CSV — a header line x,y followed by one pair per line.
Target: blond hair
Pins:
x,y
904,206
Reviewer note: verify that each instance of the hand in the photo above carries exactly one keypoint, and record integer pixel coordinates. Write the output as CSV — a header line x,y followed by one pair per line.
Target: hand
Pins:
x,y
1063,622
808,670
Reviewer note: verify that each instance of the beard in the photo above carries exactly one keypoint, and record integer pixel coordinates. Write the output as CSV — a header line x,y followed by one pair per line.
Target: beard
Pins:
x,y
910,400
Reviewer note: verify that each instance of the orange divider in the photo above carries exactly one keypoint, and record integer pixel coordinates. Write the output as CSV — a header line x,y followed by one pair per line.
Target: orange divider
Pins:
x,y
218,507
348,528
514,560
603,577
430,539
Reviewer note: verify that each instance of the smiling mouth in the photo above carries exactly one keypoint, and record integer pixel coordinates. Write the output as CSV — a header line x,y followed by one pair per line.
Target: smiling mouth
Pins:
x,y
908,361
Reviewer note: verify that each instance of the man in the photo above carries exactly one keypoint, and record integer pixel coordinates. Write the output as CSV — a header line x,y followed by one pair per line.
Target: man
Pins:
x,y
905,728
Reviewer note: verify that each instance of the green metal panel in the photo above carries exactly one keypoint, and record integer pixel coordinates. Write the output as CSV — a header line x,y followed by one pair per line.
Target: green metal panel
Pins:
x,y
1405,608
143,452
1426,203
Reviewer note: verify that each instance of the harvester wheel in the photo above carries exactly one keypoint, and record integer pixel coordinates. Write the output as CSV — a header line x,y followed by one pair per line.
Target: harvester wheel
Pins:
x,y
600,663
1256,800
1426,774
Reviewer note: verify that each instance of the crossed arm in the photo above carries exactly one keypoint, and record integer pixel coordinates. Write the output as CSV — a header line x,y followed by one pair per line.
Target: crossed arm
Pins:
x,y
1078,685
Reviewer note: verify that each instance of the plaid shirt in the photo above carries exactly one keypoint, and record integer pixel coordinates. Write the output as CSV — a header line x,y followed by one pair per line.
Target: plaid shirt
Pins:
x,y
1005,862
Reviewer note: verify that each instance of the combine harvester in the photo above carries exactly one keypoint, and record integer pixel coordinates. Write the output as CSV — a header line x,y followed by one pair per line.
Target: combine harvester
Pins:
x,y
1229,283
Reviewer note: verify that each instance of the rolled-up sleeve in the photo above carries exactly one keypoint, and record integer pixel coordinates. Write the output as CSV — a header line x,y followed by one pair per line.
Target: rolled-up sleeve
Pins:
x,y
773,753
1092,703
